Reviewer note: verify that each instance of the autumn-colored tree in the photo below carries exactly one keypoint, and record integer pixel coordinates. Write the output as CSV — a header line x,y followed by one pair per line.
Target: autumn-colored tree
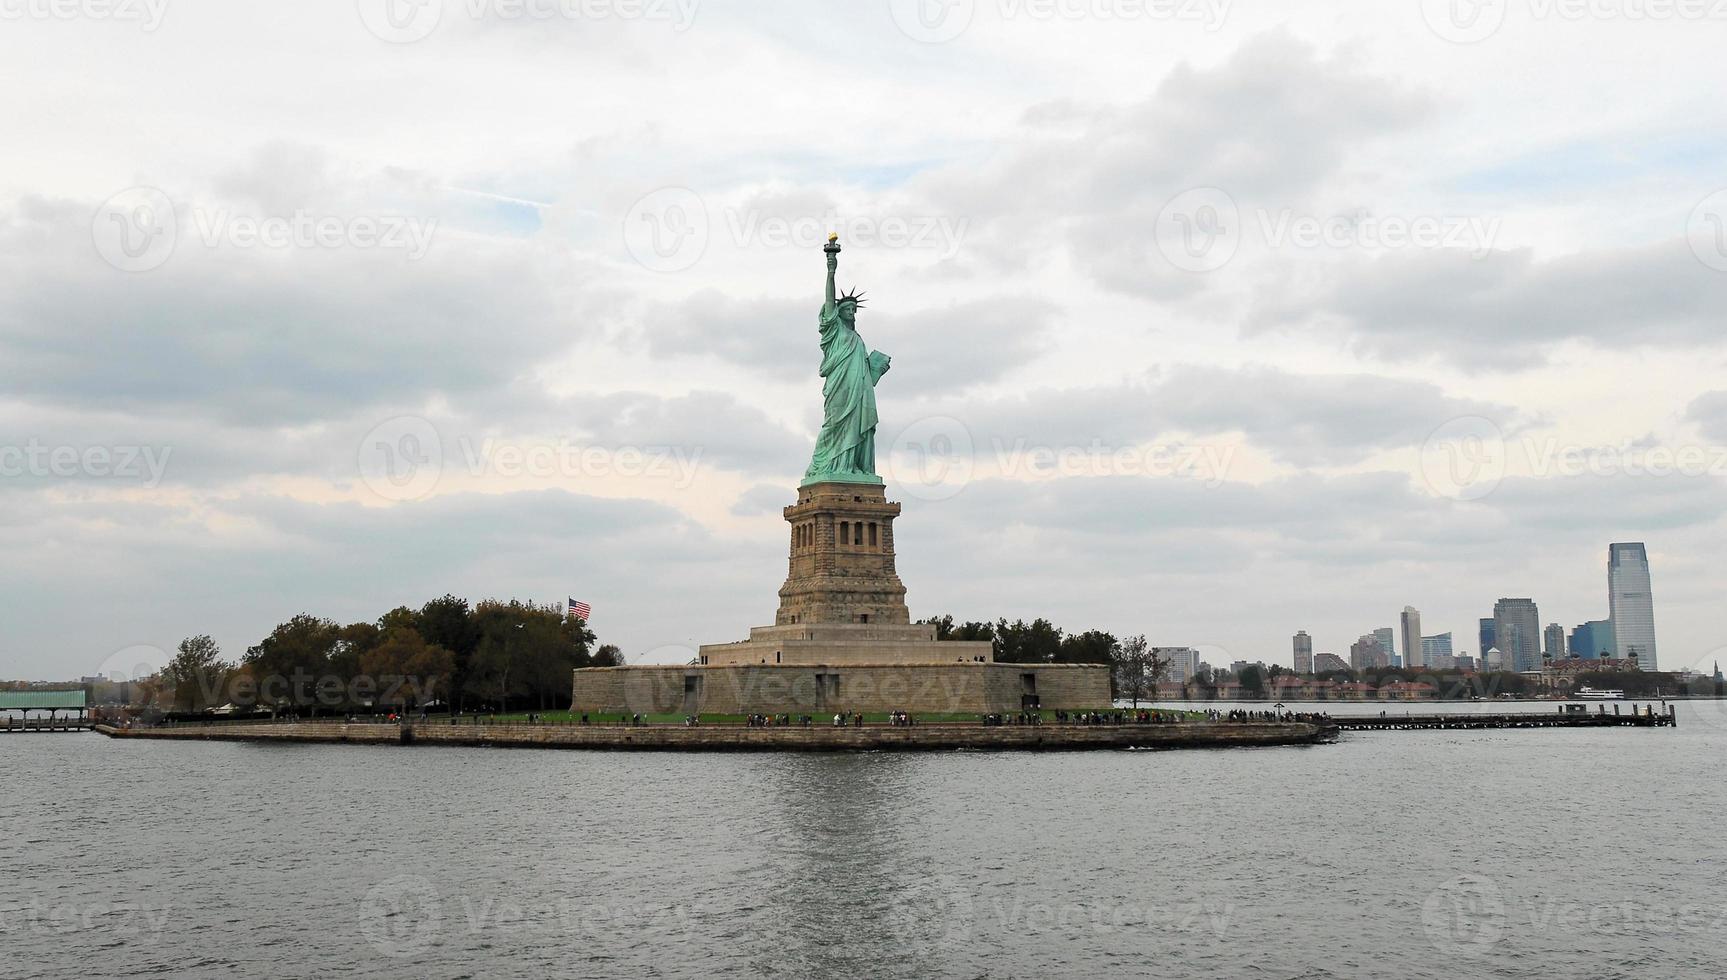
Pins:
x,y
408,671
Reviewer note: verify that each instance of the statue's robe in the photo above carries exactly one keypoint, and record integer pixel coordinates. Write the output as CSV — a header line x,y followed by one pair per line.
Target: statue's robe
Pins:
x,y
845,450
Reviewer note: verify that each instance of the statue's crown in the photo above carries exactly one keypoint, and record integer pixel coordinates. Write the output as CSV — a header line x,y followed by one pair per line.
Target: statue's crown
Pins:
x,y
853,297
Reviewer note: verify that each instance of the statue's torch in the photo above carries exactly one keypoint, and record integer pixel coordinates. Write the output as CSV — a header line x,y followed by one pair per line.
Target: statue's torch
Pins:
x,y
833,245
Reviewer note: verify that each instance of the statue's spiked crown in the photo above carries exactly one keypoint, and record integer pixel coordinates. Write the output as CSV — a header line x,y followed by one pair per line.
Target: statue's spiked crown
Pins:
x,y
853,297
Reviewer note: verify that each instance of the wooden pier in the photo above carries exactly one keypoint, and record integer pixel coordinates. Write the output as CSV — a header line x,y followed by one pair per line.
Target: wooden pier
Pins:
x,y
24,725
56,708
1390,721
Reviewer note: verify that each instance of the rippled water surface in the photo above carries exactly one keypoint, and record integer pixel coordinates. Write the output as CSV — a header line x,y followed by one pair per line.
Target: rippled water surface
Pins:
x,y
1402,855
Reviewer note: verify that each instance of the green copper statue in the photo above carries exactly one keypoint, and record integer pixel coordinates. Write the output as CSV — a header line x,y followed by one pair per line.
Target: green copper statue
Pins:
x,y
845,450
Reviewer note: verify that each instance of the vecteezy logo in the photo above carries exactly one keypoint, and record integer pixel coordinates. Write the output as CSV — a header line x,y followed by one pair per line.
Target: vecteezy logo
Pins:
x,y
932,458
931,913
1199,229
136,229
667,230
402,459
1466,914
1464,459
1464,21
399,916
400,21
1706,230
932,21
133,663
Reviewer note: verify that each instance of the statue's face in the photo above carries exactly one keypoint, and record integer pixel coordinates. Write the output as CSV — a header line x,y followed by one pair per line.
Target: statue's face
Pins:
x,y
849,314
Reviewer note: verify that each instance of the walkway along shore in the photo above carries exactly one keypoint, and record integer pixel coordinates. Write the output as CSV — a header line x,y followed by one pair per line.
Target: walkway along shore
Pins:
x,y
740,738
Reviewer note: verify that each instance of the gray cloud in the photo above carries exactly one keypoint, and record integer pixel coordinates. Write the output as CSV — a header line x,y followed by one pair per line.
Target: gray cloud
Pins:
x,y
1507,309
1270,125
1300,420
1709,412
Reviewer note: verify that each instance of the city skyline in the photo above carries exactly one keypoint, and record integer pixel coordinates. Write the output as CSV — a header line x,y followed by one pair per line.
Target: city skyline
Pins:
x,y
1515,628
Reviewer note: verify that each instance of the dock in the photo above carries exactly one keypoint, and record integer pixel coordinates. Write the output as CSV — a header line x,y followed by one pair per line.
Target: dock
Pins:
x,y
36,725
56,708
1470,721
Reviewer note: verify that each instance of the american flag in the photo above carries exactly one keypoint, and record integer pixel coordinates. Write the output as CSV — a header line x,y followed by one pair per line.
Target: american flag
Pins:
x,y
580,610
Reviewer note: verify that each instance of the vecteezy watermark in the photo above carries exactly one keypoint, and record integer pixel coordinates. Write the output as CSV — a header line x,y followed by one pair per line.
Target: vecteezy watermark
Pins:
x,y
669,230
124,921
564,458
938,21
1286,228
933,458
400,916
403,459
1706,230
134,663
936,457
146,13
1472,21
407,21
138,229
939,912
1465,458
135,230
1464,915
1023,459
1550,456
1471,914
404,916
1201,229
932,912
141,464
941,234
306,230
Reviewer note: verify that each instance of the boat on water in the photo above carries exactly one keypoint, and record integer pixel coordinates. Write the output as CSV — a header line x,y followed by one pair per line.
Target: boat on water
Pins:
x,y
1598,694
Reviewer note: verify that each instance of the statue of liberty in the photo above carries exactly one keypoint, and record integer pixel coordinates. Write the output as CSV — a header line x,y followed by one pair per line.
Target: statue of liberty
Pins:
x,y
845,450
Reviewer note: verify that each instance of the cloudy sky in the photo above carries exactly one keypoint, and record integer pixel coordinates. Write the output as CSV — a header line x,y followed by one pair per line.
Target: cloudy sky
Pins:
x,y
1210,320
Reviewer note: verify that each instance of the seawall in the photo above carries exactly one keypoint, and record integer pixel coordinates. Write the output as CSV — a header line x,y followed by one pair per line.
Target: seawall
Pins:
x,y
739,738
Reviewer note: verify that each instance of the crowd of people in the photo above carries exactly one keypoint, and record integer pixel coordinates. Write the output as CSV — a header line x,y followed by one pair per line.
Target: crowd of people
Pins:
x,y
1137,716
769,721
1240,714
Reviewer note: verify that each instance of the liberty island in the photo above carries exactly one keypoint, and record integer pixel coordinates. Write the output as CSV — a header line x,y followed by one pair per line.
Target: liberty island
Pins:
x,y
843,639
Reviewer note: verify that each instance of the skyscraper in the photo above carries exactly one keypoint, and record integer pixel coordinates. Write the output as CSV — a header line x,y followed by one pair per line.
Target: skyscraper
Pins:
x,y
1383,635
1433,647
1367,654
1488,639
1554,646
1412,638
1630,605
1517,633
1592,640
1303,653
1183,663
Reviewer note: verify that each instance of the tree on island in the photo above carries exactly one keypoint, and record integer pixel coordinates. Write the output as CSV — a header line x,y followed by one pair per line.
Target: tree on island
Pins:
x,y
410,672
197,673
1138,670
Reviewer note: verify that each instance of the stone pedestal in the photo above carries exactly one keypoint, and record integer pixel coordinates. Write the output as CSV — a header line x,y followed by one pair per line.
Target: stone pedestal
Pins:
x,y
841,568
843,601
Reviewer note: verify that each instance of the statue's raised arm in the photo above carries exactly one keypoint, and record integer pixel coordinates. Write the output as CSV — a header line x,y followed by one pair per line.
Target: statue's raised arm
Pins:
x,y
832,248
